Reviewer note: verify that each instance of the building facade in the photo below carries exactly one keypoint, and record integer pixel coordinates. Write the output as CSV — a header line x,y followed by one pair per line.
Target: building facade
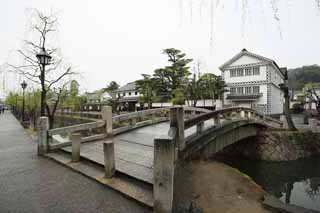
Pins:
x,y
253,81
97,99
128,97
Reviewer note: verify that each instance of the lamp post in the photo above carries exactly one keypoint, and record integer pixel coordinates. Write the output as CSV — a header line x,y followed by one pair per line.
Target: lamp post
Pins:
x,y
44,59
24,86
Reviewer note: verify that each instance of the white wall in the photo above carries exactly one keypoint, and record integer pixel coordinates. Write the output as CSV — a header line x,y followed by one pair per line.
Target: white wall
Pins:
x,y
276,100
245,60
275,77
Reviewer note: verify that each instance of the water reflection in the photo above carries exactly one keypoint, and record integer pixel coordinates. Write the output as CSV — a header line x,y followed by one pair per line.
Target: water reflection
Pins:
x,y
295,182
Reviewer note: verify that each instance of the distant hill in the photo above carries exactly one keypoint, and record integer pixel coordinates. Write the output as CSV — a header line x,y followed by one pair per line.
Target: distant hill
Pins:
x,y
298,77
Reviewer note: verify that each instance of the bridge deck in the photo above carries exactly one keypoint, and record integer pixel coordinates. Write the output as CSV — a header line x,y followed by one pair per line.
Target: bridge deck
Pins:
x,y
133,150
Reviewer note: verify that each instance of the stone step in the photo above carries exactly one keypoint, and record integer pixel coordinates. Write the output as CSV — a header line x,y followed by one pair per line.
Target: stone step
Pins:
x,y
130,187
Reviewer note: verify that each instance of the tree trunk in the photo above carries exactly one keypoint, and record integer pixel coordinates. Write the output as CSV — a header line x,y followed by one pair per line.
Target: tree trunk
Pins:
x,y
287,112
51,121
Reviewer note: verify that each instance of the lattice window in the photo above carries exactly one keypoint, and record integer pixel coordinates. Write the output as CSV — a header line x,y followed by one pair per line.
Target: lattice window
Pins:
x,y
256,70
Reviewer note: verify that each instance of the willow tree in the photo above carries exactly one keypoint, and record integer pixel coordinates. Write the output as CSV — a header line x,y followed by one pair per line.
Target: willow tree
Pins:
x,y
41,37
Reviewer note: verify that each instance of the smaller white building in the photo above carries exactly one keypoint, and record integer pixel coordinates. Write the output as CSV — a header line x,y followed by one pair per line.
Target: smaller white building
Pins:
x,y
253,81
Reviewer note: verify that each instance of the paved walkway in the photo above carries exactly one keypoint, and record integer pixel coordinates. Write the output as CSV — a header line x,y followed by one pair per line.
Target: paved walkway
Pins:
x,y
29,183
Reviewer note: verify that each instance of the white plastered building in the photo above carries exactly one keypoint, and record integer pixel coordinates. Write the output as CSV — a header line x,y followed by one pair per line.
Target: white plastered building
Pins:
x,y
253,81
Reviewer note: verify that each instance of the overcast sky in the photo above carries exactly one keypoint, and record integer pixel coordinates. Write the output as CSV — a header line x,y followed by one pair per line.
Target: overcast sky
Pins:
x,y
118,40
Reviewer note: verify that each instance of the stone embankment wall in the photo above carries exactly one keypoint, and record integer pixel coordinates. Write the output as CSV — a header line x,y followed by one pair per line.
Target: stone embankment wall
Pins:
x,y
277,146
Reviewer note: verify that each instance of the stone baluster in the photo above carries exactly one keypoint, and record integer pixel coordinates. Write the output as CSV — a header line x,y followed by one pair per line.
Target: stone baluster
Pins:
x,y
109,159
200,127
313,124
107,117
216,120
177,121
43,126
75,145
243,114
153,118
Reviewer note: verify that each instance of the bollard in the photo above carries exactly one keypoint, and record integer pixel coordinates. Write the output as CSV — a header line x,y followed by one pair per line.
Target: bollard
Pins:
x,y
107,117
43,126
109,159
75,143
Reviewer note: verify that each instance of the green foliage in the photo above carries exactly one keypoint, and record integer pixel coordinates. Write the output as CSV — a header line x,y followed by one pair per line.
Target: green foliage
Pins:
x,y
172,77
148,87
298,77
178,97
113,86
74,88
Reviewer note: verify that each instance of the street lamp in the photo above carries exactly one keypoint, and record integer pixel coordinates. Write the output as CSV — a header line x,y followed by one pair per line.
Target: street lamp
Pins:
x,y
24,86
44,59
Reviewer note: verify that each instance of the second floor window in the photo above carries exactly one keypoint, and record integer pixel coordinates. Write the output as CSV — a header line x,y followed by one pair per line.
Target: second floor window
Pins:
x,y
248,71
124,94
256,71
233,73
136,93
248,90
239,72
129,93
233,90
240,90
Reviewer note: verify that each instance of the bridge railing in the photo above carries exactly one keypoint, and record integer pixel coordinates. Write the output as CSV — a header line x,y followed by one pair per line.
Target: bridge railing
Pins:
x,y
109,125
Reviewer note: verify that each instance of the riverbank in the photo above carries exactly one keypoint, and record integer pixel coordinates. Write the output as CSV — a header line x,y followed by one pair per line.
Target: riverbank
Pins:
x,y
216,188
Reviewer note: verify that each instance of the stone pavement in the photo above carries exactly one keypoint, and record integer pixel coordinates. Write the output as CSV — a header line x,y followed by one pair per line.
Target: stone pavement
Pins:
x,y
29,183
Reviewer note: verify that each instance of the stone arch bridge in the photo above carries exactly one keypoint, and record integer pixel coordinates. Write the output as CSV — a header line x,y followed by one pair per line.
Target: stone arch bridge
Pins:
x,y
146,146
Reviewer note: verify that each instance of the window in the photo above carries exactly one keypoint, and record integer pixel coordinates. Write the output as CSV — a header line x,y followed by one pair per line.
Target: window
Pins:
x,y
232,90
129,93
136,93
124,94
256,89
248,90
233,73
119,95
240,90
239,72
248,71
256,71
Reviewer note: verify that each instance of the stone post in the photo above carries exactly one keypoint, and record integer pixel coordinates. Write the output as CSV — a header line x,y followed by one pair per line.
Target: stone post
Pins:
x,y
76,143
249,114
284,122
107,117
313,124
153,118
109,159
200,127
133,121
163,173
242,114
216,120
43,126
177,121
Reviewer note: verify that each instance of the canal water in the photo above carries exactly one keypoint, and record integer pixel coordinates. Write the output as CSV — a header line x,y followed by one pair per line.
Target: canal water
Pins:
x,y
296,182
